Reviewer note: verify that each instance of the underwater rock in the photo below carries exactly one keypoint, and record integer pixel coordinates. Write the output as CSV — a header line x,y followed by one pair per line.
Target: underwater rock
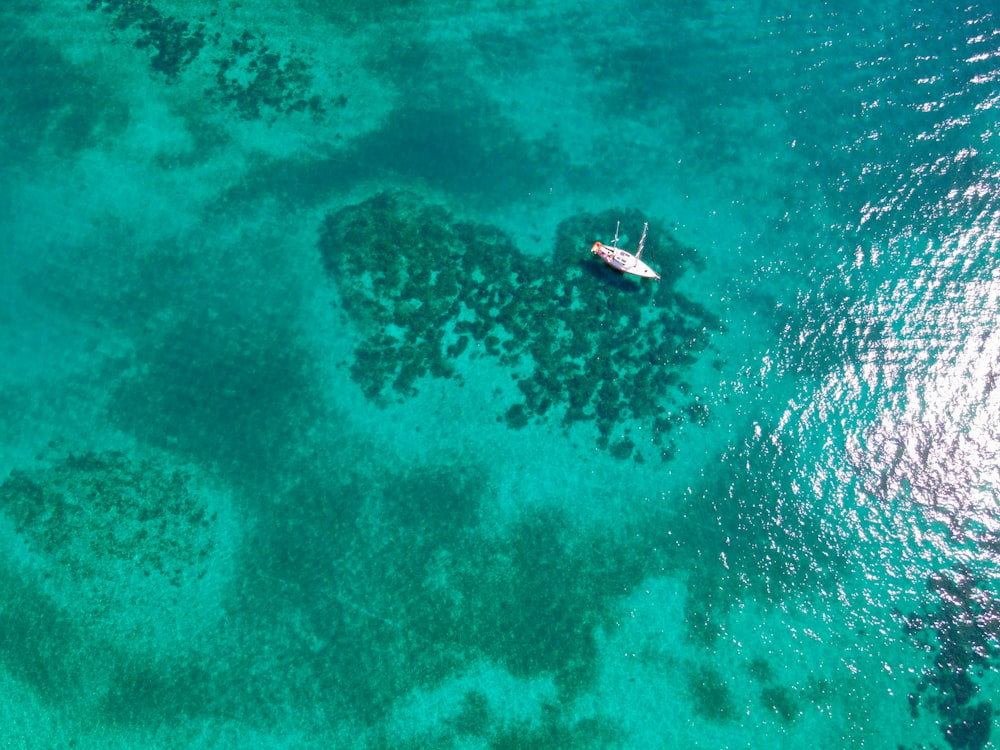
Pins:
x,y
578,339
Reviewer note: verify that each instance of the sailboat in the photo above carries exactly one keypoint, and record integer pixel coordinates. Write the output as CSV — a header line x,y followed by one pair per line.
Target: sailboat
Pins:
x,y
623,260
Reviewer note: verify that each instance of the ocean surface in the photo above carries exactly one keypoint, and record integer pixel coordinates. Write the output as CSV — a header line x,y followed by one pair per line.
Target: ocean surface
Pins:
x,y
321,427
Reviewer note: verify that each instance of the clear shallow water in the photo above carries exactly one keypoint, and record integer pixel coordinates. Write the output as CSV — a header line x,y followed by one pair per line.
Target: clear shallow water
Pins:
x,y
323,428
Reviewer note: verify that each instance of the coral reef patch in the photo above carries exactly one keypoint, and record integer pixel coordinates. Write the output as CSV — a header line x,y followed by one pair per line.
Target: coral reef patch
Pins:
x,y
93,512
132,544
172,43
246,74
254,78
963,632
582,343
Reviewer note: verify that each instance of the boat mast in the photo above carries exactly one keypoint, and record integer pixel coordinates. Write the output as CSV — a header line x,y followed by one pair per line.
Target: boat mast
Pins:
x,y
642,240
615,243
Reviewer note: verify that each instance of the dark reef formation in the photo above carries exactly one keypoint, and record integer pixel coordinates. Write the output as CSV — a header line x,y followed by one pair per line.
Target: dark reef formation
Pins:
x,y
173,44
963,632
583,343
249,76
92,512
254,78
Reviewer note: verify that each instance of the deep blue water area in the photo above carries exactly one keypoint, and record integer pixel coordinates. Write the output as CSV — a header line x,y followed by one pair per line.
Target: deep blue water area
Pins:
x,y
321,427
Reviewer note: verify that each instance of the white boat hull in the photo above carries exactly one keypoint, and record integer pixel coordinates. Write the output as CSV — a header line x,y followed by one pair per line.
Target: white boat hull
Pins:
x,y
622,260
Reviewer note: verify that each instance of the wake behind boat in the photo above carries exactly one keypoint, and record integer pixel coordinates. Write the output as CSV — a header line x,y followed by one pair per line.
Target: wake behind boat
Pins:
x,y
623,260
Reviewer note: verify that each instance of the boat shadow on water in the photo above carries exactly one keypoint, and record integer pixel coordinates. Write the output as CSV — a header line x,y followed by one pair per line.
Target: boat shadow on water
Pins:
x,y
609,277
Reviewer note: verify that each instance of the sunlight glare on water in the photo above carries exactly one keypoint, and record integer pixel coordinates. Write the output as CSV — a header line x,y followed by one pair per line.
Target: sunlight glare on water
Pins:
x,y
932,442
900,430
910,428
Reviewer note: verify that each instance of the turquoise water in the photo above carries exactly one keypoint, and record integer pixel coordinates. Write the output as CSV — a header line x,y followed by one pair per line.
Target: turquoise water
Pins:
x,y
323,428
